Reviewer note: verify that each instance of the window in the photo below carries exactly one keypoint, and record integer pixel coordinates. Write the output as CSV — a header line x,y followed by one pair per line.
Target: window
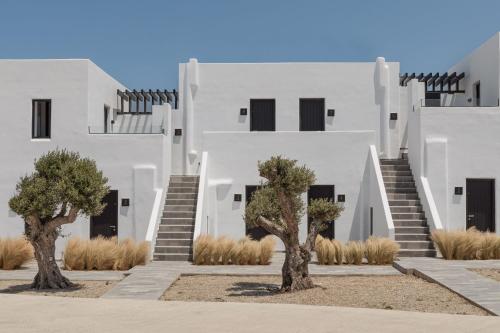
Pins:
x,y
40,128
477,93
312,114
262,115
106,117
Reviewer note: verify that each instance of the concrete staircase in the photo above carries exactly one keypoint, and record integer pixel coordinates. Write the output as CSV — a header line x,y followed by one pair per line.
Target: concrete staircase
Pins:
x,y
411,230
174,241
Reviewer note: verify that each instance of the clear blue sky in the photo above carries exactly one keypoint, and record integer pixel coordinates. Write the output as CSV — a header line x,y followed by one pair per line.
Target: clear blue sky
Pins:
x,y
141,42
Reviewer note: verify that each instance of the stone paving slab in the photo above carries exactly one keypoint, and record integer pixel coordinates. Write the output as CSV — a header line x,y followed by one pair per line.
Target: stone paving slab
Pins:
x,y
457,277
151,281
28,272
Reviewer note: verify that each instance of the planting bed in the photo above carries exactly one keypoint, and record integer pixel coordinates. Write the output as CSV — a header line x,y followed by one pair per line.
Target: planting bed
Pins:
x,y
489,273
87,289
404,292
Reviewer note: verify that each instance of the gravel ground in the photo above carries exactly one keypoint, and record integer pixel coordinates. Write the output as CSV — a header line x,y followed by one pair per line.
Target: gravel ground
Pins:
x,y
489,273
407,293
87,289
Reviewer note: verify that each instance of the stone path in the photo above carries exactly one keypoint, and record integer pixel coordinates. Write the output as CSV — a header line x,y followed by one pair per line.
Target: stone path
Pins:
x,y
457,277
28,272
150,282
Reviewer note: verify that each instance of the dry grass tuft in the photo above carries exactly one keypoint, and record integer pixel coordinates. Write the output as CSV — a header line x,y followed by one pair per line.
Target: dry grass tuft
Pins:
x,y
339,251
104,254
225,251
467,245
266,250
14,252
354,252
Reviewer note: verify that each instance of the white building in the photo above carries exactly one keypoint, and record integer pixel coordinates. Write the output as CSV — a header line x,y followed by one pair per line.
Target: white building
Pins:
x,y
405,154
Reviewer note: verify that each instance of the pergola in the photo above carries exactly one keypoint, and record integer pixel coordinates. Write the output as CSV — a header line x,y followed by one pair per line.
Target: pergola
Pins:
x,y
155,97
433,81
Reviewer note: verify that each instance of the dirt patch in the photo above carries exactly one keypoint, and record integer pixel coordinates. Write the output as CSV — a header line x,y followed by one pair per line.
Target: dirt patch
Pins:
x,y
407,293
87,289
489,273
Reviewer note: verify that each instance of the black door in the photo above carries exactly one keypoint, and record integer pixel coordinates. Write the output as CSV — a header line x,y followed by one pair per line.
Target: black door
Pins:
x,y
256,232
312,114
325,192
106,224
262,115
481,204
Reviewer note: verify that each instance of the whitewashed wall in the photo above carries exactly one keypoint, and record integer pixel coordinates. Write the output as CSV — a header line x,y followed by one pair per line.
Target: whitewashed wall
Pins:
x,y
78,90
337,158
222,89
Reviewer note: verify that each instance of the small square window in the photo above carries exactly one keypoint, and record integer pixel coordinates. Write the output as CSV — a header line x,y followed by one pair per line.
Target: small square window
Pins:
x,y
41,112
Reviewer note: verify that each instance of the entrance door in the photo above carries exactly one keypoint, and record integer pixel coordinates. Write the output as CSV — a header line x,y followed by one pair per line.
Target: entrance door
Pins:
x,y
481,204
319,192
256,232
106,224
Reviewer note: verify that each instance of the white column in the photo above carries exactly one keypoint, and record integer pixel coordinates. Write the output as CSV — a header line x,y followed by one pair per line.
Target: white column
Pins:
x,y
382,98
191,84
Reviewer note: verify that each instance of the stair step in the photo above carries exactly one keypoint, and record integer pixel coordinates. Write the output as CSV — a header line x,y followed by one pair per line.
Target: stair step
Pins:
x,y
176,228
408,216
412,237
393,162
191,190
174,242
179,208
400,190
179,214
412,230
174,235
404,203
415,245
180,202
395,179
173,249
395,168
177,221
183,196
406,209
417,253
183,184
400,184
171,257
178,178
402,196
410,223
393,173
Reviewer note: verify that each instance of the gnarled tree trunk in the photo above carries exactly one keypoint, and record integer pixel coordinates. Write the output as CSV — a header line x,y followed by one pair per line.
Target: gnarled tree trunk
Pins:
x,y
295,271
49,276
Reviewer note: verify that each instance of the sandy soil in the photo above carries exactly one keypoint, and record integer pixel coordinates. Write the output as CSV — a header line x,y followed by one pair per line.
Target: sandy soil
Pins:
x,y
489,273
87,289
405,292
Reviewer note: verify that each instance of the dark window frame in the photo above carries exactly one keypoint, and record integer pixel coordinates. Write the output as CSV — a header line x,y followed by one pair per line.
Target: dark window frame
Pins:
x,y
301,120
272,126
48,120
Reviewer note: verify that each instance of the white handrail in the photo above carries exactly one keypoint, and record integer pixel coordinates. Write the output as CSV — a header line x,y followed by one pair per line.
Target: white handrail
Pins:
x,y
200,201
154,219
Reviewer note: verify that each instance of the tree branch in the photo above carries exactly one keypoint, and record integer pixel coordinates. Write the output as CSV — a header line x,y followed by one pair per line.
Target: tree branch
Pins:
x,y
311,236
70,218
271,227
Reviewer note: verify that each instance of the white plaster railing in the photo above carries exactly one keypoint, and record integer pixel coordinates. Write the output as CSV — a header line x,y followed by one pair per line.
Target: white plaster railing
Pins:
x,y
383,225
200,201
428,204
154,219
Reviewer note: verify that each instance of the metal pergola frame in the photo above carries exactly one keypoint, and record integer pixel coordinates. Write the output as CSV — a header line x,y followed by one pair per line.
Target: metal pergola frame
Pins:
x,y
155,97
434,81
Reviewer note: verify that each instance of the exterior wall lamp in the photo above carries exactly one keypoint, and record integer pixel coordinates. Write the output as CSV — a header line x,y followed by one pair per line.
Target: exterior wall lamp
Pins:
x,y
243,111
237,197
341,198
394,116
459,190
331,112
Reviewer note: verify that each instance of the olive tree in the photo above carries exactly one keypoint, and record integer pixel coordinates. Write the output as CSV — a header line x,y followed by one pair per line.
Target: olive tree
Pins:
x,y
63,186
277,207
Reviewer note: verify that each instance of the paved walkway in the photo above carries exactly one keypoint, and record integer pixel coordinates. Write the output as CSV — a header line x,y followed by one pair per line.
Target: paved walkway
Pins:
x,y
457,276
28,272
21,313
150,282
